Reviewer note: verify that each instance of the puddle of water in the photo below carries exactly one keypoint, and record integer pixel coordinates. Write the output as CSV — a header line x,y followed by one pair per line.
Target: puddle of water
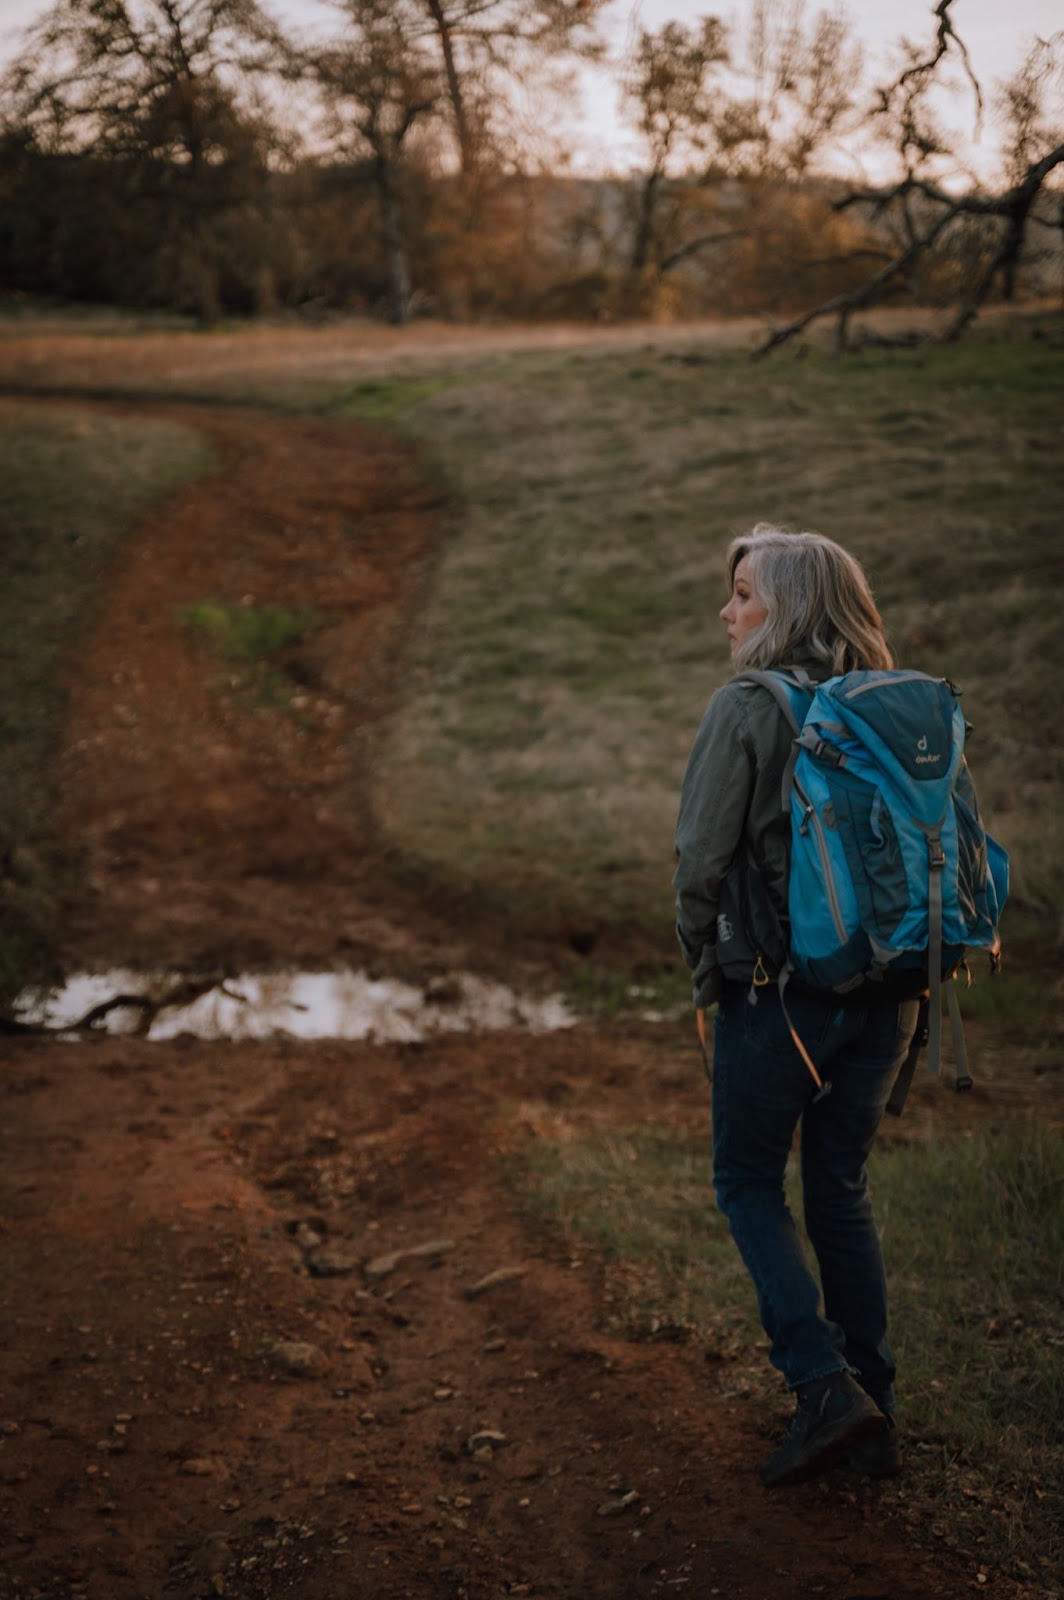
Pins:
x,y
299,1005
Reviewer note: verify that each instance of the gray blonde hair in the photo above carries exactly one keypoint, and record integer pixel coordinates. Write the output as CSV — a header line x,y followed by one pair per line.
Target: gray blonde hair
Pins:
x,y
818,600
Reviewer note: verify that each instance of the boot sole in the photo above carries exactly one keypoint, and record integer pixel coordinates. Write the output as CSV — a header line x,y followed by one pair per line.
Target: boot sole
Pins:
x,y
828,1451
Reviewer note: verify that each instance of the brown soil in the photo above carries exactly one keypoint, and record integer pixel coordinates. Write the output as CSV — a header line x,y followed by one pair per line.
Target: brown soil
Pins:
x,y
209,1387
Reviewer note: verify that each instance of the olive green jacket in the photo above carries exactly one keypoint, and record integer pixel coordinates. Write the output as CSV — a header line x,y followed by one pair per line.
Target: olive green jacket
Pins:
x,y
731,796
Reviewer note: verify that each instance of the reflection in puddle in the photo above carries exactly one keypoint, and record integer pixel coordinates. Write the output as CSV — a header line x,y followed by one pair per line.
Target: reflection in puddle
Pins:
x,y
302,1005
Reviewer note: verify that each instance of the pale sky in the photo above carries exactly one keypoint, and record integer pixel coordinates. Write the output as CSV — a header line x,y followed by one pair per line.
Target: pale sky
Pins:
x,y
996,35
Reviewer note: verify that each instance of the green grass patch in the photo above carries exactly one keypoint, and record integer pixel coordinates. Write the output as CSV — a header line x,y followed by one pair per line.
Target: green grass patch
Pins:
x,y
641,1199
73,484
604,992
243,635
973,1233
387,399
1012,996
974,1238
250,644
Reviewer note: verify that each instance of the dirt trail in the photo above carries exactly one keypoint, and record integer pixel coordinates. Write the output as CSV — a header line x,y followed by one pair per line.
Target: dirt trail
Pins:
x,y
212,1385
218,827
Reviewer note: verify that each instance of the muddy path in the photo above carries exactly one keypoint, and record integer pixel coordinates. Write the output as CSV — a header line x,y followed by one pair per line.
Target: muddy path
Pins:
x,y
274,1322
216,826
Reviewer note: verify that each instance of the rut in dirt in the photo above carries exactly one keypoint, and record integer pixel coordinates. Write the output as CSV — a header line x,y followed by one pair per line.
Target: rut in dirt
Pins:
x,y
210,832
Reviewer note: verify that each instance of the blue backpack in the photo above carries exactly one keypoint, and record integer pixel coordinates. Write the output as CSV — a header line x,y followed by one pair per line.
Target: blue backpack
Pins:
x,y
892,874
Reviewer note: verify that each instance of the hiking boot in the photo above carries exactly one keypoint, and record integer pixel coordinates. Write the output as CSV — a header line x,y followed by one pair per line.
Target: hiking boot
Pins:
x,y
832,1415
877,1456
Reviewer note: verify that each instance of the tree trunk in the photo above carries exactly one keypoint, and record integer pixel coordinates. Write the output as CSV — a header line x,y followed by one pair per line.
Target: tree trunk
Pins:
x,y
644,228
467,153
394,248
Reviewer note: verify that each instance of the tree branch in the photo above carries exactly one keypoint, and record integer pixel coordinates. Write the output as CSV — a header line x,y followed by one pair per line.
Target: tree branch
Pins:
x,y
1013,208
851,301
922,69
701,243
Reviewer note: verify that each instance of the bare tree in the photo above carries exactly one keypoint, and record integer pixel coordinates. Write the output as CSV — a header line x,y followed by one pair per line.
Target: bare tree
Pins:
x,y
379,83
159,93
99,74
1031,104
485,44
795,89
923,215
670,86
756,106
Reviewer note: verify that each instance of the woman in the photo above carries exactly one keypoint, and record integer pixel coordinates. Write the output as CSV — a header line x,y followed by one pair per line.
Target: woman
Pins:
x,y
797,601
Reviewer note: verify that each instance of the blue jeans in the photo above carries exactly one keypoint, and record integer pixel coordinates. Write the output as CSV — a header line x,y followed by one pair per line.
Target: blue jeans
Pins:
x,y
762,1090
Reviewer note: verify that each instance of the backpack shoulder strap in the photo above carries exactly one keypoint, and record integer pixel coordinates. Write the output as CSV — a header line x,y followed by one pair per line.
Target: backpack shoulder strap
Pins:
x,y
781,686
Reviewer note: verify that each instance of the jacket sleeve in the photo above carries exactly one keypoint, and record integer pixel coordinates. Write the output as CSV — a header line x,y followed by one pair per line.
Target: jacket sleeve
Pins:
x,y
714,801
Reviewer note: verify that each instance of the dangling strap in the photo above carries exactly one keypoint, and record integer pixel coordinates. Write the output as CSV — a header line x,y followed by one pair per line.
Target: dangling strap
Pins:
x,y
700,1023
821,1087
960,1053
936,860
902,1082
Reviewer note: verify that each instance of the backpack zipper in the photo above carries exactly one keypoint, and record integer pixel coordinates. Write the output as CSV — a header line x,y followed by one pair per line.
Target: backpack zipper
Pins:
x,y
810,816
895,677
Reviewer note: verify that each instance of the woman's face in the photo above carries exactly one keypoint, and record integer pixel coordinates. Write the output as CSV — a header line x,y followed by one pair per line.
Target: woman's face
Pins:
x,y
745,610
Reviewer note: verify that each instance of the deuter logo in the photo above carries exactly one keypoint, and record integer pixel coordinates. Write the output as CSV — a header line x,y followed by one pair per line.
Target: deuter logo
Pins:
x,y
923,759
725,931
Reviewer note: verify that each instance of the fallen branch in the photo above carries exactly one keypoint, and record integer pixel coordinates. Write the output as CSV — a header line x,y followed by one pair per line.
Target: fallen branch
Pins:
x,y
854,299
1013,208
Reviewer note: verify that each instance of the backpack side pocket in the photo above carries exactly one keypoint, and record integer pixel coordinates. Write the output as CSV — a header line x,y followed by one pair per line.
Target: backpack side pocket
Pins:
x,y
748,929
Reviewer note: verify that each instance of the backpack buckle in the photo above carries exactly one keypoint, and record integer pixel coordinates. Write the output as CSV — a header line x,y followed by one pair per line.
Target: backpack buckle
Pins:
x,y
828,753
936,856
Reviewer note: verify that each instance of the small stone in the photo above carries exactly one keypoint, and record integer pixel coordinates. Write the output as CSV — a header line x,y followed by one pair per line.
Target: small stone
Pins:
x,y
487,1439
381,1266
202,1467
298,1358
495,1280
333,1261
614,1508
